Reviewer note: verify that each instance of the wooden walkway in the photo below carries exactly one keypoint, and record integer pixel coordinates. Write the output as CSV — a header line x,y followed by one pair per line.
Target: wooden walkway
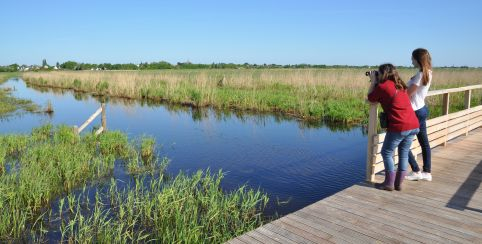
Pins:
x,y
446,210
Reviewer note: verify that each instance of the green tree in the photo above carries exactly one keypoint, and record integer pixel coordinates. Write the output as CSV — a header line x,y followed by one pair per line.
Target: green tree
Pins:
x,y
71,65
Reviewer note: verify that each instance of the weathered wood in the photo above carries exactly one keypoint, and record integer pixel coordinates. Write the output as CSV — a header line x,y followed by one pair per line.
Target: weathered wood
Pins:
x,y
104,117
429,220
103,128
235,241
302,230
467,97
100,130
294,233
281,237
89,120
372,131
248,239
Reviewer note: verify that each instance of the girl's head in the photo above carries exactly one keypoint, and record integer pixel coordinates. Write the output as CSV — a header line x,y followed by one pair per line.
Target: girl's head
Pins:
x,y
389,72
421,59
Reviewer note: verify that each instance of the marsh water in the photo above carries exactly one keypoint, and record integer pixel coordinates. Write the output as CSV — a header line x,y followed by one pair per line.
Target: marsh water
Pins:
x,y
296,163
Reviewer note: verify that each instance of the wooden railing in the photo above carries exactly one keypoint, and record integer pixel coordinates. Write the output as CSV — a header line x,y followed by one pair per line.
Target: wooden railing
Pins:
x,y
439,130
101,110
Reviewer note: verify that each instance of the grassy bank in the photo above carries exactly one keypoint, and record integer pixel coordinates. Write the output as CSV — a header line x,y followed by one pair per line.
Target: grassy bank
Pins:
x,y
54,186
330,94
10,104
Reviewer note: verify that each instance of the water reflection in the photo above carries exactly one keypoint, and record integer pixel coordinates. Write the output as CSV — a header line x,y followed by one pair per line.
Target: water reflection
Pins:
x,y
200,113
296,162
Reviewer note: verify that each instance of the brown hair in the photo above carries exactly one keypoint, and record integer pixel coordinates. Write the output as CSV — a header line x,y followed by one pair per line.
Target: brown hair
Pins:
x,y
389,72
422,56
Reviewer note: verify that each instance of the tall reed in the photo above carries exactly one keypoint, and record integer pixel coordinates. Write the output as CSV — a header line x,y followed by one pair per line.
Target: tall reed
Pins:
x,y
330,94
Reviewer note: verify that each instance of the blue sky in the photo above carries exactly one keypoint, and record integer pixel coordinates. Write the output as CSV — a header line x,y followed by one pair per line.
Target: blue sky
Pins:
x,y
238,31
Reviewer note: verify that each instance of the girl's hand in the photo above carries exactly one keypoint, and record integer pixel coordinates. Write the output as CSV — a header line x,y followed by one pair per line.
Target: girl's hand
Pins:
x,y
374,77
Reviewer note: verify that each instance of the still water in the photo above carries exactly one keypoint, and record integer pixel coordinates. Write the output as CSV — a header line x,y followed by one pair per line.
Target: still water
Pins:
x,y
295,163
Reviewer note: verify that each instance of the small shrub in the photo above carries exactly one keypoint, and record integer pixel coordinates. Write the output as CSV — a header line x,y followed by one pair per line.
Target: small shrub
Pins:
x,y
148,145
77,84
102,87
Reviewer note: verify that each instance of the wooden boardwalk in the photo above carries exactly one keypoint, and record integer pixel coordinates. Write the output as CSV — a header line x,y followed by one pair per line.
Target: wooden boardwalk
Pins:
x,y
446,210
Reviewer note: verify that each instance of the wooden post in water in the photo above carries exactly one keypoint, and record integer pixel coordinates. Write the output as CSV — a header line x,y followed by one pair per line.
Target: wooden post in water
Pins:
x,y
372,132
103,123
104,117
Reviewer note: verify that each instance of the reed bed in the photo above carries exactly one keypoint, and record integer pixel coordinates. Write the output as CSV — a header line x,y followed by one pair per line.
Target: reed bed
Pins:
x,y
329,94
54,186
9,104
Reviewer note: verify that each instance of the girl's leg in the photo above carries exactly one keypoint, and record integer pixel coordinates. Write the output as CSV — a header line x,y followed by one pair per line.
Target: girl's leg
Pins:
x,y
413,162
392,139
403,150
423,140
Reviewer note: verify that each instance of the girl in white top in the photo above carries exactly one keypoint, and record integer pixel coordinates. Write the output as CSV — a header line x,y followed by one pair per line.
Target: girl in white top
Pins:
x,y
417,90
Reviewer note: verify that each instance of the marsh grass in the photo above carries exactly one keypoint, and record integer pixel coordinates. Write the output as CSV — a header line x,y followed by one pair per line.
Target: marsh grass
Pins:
x,y
51,189
329,94
9,104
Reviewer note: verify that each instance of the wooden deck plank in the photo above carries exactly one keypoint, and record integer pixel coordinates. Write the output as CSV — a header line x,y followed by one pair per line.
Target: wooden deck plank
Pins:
x,y
381,215
336,236
426,220
339,230
447,209
302,230
235,241
259,236
248,239
413,202
376,229
282,236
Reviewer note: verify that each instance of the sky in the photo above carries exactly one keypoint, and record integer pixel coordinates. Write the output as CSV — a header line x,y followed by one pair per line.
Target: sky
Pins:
x,y
341,32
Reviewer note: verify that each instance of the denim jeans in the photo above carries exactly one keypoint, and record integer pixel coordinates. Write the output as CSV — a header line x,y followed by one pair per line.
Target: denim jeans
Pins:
x,y
402,140
422,115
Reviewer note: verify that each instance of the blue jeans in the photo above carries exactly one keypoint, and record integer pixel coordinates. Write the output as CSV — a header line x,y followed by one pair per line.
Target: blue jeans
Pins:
x,y
402,140
422,115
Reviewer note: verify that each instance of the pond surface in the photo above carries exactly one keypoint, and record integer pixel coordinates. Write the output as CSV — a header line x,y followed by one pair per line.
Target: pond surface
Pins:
x,y
296,163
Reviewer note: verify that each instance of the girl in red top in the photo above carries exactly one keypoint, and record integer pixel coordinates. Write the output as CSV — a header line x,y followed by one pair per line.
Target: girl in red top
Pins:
x,y
388,88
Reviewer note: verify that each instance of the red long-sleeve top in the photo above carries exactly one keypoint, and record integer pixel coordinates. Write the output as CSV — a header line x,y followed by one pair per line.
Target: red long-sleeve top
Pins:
x,y
401,116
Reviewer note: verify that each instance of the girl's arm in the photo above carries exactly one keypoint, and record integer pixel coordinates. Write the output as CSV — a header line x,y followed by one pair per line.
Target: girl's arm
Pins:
x,y
411,90
372,86
414,82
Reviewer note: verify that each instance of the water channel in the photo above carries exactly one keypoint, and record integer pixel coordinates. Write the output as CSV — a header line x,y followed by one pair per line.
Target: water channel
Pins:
x,y
295,162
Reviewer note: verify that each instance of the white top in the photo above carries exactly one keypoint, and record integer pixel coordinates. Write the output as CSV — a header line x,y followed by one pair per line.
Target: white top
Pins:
x,y
418,97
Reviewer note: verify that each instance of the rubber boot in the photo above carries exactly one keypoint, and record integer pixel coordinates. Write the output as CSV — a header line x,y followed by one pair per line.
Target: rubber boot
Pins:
x,y
388,183
399,179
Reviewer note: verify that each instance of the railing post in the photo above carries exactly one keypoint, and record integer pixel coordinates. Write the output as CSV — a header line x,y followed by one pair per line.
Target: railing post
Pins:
x,y
445,104
468,95
467,98
372,131
445,111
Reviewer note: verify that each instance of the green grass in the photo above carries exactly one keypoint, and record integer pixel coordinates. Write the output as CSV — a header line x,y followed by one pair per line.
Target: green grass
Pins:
x,y
54,182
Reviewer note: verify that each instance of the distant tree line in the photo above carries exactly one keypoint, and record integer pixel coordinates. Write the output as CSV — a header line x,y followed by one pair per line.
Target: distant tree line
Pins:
x,y
9,68
72,65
